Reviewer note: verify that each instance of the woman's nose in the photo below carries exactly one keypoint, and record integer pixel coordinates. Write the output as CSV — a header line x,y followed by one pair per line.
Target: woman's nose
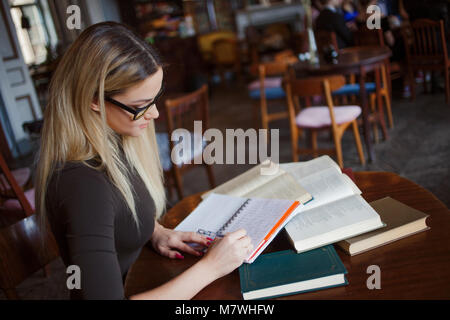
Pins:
x,y
152,113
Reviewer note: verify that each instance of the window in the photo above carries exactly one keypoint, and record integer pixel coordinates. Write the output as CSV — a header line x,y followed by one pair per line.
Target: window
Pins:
x,y
35,29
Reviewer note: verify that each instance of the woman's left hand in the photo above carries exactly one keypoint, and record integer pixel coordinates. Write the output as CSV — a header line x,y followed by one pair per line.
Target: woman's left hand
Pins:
x,y
167,242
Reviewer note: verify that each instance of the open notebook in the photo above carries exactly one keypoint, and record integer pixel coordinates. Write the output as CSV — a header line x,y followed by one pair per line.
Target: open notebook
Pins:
x,y
338,211
261,218
252,184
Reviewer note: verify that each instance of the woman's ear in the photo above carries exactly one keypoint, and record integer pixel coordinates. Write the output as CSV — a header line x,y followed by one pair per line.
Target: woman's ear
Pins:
x,y
94,105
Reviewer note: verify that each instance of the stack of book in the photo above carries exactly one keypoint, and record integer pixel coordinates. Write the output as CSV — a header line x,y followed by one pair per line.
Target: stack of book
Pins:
x,y
318,206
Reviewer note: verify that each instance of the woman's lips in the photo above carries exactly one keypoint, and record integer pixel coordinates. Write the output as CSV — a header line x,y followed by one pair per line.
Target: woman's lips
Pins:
x,y
143,126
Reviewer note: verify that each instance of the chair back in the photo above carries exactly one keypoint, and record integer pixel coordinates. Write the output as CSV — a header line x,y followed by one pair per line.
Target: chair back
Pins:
x,y
225,51
206,40
325,39
368,37
277,67
307,87
181,112
271,69
22,252
16,189
311,86
425,42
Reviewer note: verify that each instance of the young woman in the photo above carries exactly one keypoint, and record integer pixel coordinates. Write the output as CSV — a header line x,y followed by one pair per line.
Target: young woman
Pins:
x,y
99,179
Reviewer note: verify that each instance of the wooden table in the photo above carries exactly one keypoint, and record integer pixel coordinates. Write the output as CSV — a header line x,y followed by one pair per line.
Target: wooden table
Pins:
x,y
358,61
416,267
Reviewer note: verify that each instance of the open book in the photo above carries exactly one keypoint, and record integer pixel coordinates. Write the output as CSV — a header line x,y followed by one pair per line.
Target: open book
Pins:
x,y
338,211
253,184
261,218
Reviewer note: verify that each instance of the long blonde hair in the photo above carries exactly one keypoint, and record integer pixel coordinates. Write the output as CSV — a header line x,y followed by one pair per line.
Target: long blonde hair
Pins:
x,y
106,59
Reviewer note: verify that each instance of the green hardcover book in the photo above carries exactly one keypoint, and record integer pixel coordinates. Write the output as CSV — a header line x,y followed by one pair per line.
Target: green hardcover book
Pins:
x,y
287,272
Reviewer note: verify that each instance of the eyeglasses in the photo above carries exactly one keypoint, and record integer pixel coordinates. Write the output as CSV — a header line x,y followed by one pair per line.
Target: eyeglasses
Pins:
x,y
136,112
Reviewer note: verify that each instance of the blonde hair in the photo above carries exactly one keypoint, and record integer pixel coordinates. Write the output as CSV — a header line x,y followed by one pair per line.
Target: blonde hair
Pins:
x,y
106,59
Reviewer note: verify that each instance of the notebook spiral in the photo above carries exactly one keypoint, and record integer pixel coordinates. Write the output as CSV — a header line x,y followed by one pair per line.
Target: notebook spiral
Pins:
x,y
222,230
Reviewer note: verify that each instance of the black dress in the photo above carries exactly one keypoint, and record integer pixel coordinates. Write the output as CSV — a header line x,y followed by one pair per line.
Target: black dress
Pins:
x,y
95,229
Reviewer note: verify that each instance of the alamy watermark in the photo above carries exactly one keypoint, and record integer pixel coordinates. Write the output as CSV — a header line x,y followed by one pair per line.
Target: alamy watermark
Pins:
x,y
74,279
374,19
237,146
374,280
74,19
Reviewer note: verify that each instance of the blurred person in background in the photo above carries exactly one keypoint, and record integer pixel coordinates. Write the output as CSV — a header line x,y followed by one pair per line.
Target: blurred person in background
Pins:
x,y
331,18
350,10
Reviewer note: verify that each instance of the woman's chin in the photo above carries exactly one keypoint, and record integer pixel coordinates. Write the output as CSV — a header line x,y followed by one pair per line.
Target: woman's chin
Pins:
x,y
133,133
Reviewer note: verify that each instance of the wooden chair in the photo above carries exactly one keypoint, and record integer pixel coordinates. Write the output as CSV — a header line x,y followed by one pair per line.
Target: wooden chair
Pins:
x,y
180,114
268,87
23,178
391,70
338,119
384,94
22,253
20,204
225,53
426,50
368,37
353,89
375,37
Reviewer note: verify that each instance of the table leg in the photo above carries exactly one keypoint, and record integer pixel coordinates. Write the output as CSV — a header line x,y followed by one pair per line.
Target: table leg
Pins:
x,y
365,115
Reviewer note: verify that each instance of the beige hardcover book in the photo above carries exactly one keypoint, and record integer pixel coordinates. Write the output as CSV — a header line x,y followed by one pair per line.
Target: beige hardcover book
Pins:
x,y
253,184
401,221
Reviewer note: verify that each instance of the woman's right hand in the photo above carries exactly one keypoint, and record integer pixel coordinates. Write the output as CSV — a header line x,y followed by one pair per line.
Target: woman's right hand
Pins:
x,y
228,253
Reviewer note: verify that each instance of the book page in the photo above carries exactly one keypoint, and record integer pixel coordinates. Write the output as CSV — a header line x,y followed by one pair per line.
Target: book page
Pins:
x,y
282,187
211,214
300,170
245,182
221,214
327,186
339,214
258,217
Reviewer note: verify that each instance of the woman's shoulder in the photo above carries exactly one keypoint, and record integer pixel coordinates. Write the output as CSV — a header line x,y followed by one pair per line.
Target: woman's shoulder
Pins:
x,y
78,177
80,189
78,170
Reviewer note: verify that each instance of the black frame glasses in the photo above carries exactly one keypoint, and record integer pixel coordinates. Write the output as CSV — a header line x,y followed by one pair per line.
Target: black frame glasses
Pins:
x,y
136,112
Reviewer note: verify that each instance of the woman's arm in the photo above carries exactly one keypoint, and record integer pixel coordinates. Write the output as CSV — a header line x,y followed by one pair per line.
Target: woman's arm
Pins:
x,y
183,287
223,257
86,213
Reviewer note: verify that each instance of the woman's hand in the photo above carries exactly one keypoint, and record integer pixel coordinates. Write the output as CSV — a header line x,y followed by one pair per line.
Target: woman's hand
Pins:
x,y
167,242
222,257
228,253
